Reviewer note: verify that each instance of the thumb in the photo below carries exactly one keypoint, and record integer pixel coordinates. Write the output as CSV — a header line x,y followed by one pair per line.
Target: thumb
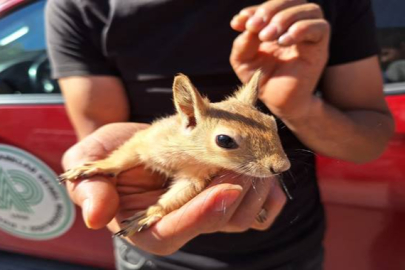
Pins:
x,y
96,196
98,199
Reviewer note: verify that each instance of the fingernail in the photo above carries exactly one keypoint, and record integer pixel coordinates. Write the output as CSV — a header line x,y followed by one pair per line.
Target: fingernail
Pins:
x,y
285,40
245,12
85,212
261,13
227,198
269,33
255,22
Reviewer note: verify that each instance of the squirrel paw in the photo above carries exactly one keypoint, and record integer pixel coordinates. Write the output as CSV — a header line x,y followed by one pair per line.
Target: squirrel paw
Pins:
x,y
84,172
141,221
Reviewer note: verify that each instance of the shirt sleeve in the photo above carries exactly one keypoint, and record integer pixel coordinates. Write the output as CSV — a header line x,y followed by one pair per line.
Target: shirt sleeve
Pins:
x,y
353,33
72,45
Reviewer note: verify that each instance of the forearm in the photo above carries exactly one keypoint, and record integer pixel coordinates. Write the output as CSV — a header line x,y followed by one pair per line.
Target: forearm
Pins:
x,y
94,101
353,135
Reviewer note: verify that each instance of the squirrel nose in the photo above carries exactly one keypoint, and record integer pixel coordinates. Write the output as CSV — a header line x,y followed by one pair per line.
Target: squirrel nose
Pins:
x,y
280,166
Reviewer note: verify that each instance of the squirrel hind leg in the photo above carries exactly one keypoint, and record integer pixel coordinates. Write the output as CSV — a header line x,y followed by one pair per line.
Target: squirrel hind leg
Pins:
x,y
141,221
179,193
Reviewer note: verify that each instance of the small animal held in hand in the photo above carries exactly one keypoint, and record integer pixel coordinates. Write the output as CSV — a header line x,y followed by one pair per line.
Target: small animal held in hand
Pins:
x,y
193,146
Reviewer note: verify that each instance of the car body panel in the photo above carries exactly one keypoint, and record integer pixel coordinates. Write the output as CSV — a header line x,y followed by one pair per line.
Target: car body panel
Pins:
x,y
8,5
365,204
47,136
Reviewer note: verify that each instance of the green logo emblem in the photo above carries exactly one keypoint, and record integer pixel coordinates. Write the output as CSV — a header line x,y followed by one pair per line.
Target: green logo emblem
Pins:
x,y
32,203
19,190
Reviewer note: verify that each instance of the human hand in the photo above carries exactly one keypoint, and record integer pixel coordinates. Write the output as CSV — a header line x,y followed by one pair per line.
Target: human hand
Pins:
x,y
230,204
288,40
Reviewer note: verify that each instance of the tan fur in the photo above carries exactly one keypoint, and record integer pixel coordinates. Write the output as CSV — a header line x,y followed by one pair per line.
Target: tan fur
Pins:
x,y
183,147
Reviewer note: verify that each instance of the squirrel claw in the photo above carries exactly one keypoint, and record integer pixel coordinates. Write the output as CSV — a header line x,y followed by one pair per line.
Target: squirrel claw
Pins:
x,y
143,227
137,223
61,179
120,233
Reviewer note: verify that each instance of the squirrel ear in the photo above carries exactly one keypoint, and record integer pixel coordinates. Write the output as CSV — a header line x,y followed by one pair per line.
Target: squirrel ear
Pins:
x,y
249,93
188,101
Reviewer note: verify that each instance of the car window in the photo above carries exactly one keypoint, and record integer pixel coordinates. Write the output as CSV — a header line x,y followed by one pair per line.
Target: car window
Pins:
x,y
390,22
24,65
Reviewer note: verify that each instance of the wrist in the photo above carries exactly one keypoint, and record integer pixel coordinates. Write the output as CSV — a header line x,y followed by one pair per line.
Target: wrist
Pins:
x,y
305,117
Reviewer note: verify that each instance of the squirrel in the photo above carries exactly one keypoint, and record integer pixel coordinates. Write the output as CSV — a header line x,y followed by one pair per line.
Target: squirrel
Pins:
x,y
193,146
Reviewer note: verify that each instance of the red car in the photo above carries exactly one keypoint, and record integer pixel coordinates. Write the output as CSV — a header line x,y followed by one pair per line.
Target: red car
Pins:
x,y
365,204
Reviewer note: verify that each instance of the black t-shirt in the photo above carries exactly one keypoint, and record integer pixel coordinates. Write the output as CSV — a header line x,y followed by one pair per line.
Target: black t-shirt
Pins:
x,y
147,42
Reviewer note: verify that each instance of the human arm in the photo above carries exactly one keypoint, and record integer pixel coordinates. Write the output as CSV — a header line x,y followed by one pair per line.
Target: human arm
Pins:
x,y
93,92
351,120
93,101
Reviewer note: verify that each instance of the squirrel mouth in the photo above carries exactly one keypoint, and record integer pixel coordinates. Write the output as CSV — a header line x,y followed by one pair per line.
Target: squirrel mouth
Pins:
x,y
259,173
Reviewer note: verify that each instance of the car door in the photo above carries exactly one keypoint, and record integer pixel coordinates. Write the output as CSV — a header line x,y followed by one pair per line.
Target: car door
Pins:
x,y
36,215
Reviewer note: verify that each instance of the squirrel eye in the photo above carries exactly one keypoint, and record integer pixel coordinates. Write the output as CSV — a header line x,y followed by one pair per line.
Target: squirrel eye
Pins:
x,y
225,141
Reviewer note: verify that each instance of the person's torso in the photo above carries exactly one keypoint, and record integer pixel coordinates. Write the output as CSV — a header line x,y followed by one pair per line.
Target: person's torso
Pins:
x,y
148,42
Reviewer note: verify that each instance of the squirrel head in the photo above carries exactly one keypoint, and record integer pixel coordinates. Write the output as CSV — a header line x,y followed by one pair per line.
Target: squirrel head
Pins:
x,y
231,134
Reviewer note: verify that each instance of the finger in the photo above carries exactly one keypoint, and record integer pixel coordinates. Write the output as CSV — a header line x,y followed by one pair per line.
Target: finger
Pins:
x,y
131,203
97,196
238,22
266,11
98,199
245,47
139,179
282,21
313,31
273,205
251,205
205,213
